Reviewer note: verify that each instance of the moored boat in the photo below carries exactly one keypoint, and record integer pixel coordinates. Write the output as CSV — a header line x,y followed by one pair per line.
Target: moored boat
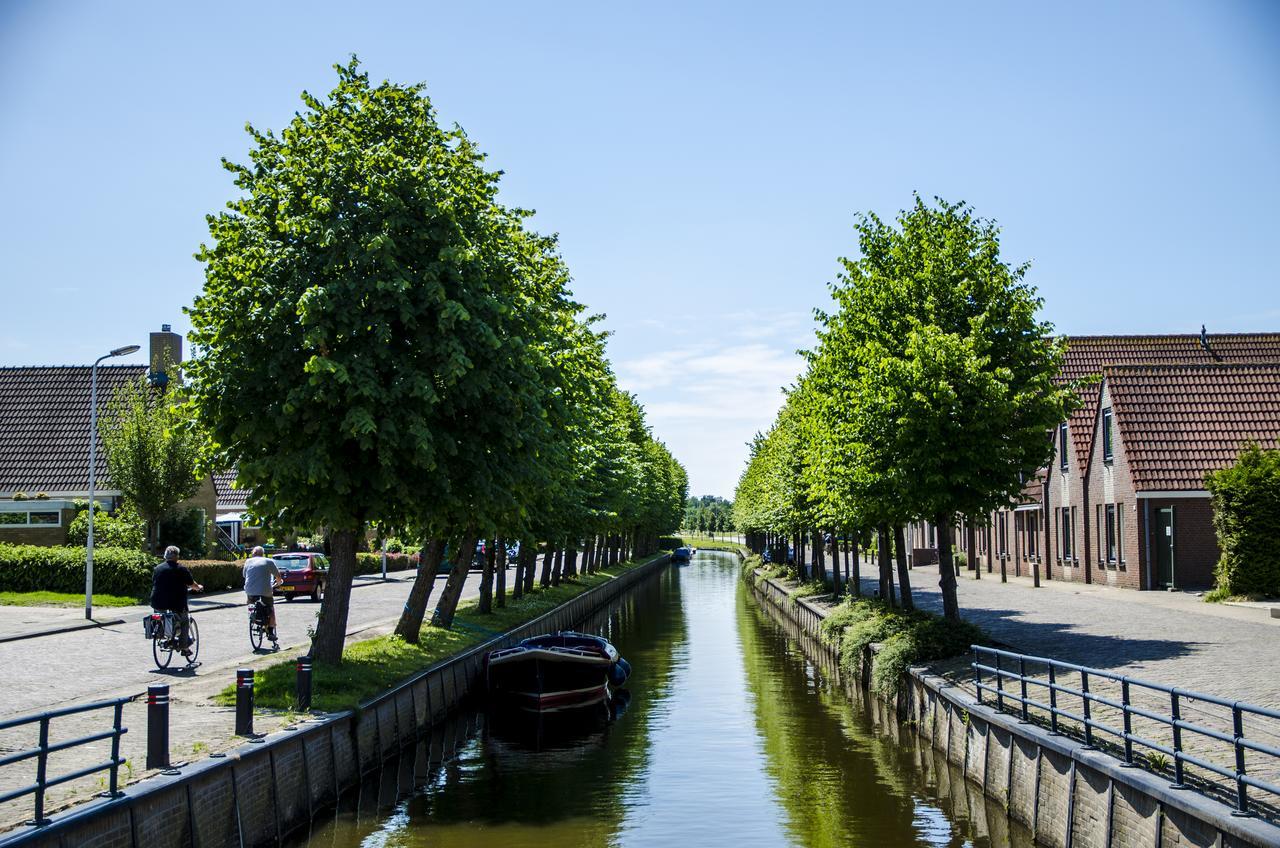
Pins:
x,y
557,671
682,554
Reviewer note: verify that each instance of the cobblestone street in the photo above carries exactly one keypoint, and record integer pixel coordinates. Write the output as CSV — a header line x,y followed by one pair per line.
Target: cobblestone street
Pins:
x,y
115,661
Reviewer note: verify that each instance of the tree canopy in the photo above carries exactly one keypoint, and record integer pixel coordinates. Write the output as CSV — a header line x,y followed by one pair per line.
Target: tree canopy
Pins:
x,y
379,339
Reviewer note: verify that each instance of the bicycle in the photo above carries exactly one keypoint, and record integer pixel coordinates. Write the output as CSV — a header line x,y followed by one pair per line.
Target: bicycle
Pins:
x,y
162,628
259,616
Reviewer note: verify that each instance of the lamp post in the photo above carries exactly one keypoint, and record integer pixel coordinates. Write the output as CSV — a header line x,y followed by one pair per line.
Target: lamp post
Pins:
x,y
93,467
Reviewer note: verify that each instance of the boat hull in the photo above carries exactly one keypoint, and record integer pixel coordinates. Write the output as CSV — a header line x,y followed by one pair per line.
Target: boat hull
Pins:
x,y
544,679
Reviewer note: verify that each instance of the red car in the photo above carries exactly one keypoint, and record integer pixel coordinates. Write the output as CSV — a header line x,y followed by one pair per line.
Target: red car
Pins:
x,y
303,574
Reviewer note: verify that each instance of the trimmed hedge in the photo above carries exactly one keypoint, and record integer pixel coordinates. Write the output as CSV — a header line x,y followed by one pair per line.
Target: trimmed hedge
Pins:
x,y
119,571
33,568
1246,516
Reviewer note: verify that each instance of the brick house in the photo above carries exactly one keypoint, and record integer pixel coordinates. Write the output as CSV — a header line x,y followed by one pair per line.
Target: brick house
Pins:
x,y
1186,404
44,443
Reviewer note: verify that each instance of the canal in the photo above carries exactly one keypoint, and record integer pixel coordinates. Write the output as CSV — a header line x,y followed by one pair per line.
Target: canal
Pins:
x,y
729,737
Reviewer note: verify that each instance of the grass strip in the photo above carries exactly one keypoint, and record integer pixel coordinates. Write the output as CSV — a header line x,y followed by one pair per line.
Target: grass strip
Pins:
x,y
62,599
374,665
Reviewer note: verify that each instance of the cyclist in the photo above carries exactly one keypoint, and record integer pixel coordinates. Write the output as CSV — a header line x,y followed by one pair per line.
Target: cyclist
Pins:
x,y
170,582
260,577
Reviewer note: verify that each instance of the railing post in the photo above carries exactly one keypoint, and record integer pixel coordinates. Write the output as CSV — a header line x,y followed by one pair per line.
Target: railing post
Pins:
x,y
244,702
999,685
1053,700
977,672
1022,678
1176,715
42,761
304,682
1128,721
1242,791
1088,716
113,789
158,726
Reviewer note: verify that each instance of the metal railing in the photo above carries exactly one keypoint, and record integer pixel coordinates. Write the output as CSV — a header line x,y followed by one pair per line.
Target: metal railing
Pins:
x,y
1012,668
44,748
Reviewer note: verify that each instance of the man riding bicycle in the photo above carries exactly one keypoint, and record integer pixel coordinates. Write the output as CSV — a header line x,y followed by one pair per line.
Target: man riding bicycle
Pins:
x,y
261,577
170,582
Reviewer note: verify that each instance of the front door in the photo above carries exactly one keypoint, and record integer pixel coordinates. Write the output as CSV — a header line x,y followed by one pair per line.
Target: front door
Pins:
x,y
1164,546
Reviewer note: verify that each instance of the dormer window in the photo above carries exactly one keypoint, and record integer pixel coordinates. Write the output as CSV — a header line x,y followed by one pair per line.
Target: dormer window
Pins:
x,y
1107,448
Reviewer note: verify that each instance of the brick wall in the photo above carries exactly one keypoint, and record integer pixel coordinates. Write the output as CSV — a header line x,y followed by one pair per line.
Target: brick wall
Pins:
x,y
1111,483
1195,544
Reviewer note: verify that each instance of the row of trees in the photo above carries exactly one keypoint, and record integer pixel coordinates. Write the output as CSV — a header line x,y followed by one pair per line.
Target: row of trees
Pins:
x,y
929,394
380,341
708,514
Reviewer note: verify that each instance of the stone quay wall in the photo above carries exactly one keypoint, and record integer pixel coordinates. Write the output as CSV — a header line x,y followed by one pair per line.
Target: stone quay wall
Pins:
x,y
1066,795
269,789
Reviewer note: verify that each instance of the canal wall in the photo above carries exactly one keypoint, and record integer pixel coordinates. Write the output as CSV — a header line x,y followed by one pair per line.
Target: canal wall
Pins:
x,y
1068,796
271,788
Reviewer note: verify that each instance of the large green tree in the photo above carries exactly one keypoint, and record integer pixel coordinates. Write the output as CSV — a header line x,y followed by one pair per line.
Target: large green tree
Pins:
x,y
362,275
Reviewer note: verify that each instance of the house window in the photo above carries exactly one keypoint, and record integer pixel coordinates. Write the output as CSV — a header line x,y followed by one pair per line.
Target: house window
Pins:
x,y
1098,549
1120,534
1074,558
43,518
1112,534
1065,536
1107,451
1062,446
1031,523
1003,534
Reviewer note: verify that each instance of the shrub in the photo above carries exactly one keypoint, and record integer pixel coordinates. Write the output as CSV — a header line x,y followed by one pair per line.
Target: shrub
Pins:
x,y
188,529
372,563
1246,516
33,568
811,589
121,529
905,638
217,575
959,559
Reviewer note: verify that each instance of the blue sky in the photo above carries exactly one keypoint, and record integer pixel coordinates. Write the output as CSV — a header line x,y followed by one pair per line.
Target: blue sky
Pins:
x,y
702,163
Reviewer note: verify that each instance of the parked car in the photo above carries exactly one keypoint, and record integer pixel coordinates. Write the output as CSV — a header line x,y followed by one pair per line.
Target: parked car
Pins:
x,y
303,574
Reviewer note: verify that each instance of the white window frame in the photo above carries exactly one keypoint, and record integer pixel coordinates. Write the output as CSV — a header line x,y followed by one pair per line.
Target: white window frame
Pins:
x,y
26,513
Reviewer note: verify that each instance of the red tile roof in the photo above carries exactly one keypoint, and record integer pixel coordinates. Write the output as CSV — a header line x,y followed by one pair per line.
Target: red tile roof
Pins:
x,y
44,426
1090,355
230,499
1178,422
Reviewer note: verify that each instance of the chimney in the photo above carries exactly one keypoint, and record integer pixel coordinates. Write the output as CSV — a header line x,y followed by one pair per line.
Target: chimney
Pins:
x,y
166,353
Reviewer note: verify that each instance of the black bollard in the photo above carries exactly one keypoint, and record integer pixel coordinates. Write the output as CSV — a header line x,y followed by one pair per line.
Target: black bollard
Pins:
x,y
244,702
304,682
158,726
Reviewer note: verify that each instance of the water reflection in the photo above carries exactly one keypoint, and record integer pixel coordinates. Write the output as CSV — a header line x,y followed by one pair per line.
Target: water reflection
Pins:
x,y
729,737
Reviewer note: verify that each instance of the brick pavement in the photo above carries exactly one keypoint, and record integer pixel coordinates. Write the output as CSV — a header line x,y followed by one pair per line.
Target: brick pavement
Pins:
x,y
1175,639
108,662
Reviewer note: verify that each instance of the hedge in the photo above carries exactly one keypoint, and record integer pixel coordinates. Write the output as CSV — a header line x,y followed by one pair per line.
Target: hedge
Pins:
x,y
119,571
34,568
1246,516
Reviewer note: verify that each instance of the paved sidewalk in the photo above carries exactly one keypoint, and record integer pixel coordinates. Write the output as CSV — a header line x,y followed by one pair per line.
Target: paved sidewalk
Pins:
x,y
108,662
1174,639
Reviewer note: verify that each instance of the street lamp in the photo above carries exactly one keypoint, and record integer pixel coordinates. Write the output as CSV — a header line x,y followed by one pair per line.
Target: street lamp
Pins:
x,y
93,467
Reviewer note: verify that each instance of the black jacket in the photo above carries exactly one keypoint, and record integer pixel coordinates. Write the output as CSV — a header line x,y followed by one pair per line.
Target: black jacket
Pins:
x,y
169,584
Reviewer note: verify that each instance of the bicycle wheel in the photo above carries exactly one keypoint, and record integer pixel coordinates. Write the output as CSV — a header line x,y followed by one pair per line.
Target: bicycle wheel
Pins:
x,y
194,632
162,650
255,632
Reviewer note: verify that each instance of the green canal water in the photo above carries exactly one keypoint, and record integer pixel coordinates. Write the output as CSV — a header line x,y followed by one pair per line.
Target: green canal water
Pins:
x,y
730,737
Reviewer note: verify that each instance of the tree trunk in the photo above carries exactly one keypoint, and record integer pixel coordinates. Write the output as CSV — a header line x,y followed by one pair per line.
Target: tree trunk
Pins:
x,y
819,559
886,568
557,569
855,574
547,560
571,560
486,577
529,553
448,603
971,542
946,572
904,573
331,628
425,580
501,574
